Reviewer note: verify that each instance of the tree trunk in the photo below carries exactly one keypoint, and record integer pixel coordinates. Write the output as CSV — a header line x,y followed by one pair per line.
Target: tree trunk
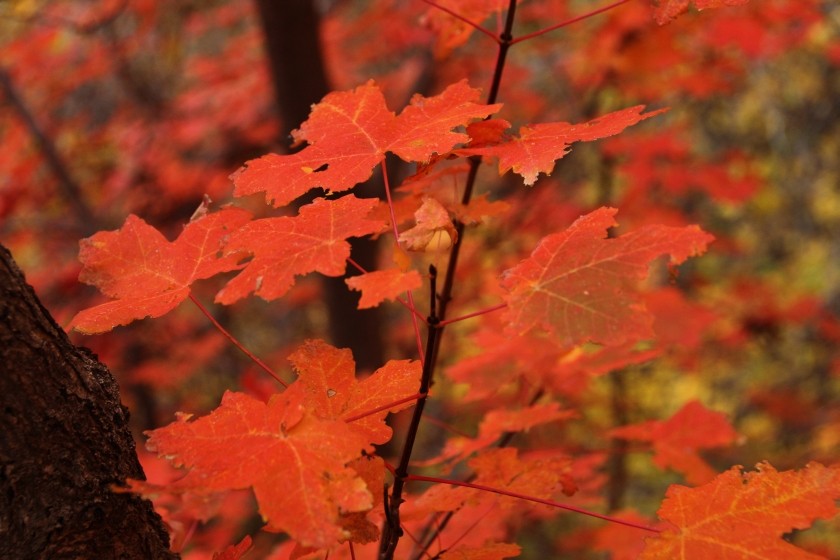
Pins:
x,y
64,440
293,47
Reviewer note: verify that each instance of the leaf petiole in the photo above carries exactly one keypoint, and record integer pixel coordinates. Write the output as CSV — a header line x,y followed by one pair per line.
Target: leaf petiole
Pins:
x,y
568,22
525,497
236,342
474,314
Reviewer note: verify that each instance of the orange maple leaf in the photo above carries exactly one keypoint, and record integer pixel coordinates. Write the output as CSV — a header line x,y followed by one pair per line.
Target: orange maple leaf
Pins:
x,y
380,285
743,516
538,146
581,286
147,275
677,440
314,240
295,462
350,132
327,375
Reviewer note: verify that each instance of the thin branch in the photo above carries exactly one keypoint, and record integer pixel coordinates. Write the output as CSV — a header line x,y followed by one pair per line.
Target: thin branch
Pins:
x,y
504,43
474,314
458,16
568,22
393,531
69,188
527,498
236,342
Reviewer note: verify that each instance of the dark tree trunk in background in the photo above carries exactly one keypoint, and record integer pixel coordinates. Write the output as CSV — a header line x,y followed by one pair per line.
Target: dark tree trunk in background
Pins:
x,y
64,440
293,47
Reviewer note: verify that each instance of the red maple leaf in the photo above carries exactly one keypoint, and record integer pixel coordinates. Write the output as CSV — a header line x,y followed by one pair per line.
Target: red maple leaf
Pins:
x,y
328,378
538,146
147,275
314,240
581,286
294,461
380,285
744,515
677,440
350,132
665,11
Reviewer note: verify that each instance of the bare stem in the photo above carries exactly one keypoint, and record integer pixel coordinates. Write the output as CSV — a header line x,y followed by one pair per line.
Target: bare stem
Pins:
x,y
408,294
568,22
527,498
236,342
67,186
393,531
474,314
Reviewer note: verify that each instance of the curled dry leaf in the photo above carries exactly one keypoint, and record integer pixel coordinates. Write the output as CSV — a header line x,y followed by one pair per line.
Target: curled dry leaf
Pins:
x,y
434,230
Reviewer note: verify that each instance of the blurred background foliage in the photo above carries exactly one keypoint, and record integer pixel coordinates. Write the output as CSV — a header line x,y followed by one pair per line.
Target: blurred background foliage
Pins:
x,y
139,106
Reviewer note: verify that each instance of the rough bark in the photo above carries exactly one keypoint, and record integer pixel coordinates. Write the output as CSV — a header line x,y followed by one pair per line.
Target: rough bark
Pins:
x,y
296,63
64,440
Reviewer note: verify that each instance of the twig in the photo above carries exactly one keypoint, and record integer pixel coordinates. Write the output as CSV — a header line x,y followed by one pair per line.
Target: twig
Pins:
x,y
70,190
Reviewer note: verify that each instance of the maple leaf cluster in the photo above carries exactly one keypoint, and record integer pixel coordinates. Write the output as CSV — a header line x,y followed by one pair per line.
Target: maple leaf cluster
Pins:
x,y
349,134
576,301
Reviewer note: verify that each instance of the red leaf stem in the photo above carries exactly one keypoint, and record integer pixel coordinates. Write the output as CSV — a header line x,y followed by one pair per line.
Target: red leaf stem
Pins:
x,y
474,314
236,343
551,503
409,296
357,266
568,22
